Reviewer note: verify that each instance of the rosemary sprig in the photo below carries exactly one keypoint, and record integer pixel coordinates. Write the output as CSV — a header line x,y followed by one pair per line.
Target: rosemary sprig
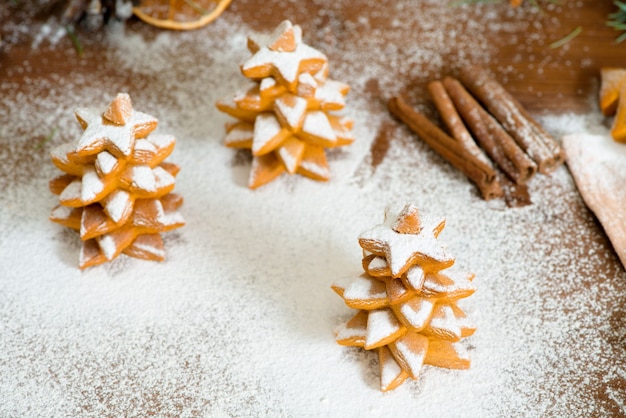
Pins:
x,y
75,40
463,2
617,20
197,7
46,139
535,3
567,38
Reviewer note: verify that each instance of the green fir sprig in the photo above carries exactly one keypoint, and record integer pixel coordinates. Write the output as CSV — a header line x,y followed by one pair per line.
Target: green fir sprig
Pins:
x,y
617,20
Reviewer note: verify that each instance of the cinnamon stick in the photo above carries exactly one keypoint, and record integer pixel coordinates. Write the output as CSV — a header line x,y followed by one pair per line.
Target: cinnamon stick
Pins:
x,y
491,136
478,172
453,121
529,135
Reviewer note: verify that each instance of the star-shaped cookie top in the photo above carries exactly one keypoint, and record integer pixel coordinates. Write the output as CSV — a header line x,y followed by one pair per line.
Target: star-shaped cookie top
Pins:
x,y
283,56
407,239
113,129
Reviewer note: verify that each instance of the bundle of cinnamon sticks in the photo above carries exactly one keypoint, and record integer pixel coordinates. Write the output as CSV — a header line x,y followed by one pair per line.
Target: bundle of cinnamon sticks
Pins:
x,y
490,132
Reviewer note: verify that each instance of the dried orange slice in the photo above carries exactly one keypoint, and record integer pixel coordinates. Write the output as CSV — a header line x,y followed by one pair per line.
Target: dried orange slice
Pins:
x,y
179,14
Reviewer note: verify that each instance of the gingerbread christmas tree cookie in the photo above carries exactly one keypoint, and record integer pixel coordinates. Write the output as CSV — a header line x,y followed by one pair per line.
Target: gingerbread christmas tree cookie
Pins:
x,y
407,307
116,190
286,115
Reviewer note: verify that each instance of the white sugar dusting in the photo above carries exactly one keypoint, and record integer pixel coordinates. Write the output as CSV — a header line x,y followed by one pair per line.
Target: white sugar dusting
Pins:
x,y
143,178
266,128
288,158
117,205
107,245
237,135
417,312
316,123
145,147
61,212
252,270
292,112
149,249
344,332
414,358
162,178
390,370
365,288
381,323
378,263
286,63
315,168
443,322
105,162
598,165
72,191
92,185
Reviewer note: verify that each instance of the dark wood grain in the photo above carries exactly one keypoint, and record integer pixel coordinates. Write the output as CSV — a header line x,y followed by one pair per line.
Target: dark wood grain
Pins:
x,y
544,79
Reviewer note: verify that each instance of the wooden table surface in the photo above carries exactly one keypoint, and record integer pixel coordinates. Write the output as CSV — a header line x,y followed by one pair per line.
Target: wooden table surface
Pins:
x,y
544,79
515,46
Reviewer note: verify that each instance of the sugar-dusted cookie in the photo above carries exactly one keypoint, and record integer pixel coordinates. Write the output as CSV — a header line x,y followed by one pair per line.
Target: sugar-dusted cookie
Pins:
x,y
407,307
116,190
285,117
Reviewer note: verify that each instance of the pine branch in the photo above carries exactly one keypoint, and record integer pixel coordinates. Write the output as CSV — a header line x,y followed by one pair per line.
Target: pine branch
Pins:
x,y
567,38
533,2
617,20
75,41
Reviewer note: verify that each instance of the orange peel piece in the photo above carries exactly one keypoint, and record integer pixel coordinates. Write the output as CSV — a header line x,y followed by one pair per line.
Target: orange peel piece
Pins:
x,y
618,131
612,79
180,14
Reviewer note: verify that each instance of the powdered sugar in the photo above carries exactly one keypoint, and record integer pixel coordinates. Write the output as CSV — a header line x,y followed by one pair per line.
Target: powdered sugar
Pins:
x,y
266,129
598,165
92,185
107,245
143,178
238,321
443,323
73,191
389,368
351,330
290,153
417,312
105,163
317,125
412,349
292,109
365,288
381,325
118,205
162,178
287,64
400,249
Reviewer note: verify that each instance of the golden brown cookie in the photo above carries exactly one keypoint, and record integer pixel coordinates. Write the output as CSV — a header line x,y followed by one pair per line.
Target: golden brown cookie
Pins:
x,y
116,190
407,306
285,117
